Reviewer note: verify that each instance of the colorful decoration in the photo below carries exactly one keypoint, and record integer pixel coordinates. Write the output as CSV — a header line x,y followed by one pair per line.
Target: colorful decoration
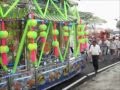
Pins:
x,y
32,34
4,48
66,33
55,43
32,46
43,33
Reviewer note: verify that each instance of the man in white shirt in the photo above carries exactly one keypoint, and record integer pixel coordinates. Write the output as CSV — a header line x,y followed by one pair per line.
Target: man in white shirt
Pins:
x,y
117,41
108,46
113,46
95,51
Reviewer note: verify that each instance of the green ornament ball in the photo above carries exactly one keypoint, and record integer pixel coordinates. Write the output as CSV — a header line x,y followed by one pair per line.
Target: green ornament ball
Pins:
x,y
4,49
3,34
55,43
32,34
86,39
66,34
80,33
32,22
43,27
55,32
81,27
65,28
32,46
43,34
82,40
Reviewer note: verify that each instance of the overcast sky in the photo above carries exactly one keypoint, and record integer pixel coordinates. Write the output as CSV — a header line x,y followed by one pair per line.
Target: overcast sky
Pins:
x,y
106,9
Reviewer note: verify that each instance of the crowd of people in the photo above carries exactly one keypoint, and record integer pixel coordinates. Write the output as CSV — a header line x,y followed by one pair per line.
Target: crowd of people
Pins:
x,y
99,48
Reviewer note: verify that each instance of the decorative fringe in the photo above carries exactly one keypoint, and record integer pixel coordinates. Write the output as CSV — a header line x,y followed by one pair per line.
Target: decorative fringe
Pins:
x,y
43,39
4,59
56,51
66,38
33,56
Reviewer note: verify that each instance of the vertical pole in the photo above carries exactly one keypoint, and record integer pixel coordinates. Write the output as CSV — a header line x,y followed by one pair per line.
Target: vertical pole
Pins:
x,y
9,80
36,78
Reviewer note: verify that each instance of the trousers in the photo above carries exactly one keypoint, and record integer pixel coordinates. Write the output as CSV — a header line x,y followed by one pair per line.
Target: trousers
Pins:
x,y
95,62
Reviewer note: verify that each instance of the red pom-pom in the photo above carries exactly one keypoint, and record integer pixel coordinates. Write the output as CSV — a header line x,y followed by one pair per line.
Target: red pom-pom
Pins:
x,y
43,39
33,56
4,59
81,48
65,38
56,51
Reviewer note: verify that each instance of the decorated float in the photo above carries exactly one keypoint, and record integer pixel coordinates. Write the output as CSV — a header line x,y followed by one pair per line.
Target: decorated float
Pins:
x,y
40,44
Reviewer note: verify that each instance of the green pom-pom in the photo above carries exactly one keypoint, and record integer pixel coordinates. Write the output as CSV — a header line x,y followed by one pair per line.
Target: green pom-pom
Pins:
x,y
4,49
3,34
32,46
32,22
81,41
43,34
81,27
55,43
81,33
43,27
55,32
86,40
65,28
32,34
66,34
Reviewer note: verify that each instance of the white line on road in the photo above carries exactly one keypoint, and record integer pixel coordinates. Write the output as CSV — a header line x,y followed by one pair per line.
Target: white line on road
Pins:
x,y
66,88
74,83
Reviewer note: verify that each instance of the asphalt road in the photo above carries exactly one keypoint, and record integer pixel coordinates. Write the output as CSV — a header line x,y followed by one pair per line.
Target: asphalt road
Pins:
x,y
108,59
106,80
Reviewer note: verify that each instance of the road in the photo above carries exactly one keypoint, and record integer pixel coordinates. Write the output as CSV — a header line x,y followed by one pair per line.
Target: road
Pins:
x,y
89,68
106,80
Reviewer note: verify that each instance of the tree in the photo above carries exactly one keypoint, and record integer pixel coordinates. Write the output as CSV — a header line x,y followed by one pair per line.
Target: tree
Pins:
x,y
118,24
90,19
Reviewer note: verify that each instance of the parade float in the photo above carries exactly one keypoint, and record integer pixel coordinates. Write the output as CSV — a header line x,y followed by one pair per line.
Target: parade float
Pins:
x,y
40,44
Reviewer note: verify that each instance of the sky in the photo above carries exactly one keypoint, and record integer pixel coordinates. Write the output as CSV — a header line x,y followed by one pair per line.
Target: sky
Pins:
x,y
105,9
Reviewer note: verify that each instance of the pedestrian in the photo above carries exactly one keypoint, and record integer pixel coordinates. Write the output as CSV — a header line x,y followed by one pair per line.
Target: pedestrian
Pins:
x,y
113,47
117,41
95,51
108,46
103,47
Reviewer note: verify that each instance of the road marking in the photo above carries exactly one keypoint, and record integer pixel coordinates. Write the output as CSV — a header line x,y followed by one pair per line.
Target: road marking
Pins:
x,y
90,74
69,86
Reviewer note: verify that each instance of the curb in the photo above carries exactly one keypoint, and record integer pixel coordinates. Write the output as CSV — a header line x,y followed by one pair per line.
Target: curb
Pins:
x,y
88,75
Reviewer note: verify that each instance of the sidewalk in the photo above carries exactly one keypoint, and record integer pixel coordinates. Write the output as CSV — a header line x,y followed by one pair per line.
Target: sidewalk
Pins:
x,y
107,80
89,68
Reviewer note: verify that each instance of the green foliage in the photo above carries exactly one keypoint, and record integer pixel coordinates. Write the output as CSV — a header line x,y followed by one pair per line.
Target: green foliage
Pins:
x,y
89,18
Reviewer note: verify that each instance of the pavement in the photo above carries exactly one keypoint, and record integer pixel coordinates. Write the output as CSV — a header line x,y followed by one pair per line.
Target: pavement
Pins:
x,y
88,69
106,80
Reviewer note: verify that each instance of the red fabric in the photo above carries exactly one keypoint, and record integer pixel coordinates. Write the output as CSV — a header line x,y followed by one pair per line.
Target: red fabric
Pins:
x,y
66,38
33,56
3,41
56,51
43,39
55,37
3,25
85,45
81,48
4,59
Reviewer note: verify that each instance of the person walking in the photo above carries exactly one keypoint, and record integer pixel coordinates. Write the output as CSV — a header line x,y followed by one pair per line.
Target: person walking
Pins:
x,y
95,51
113,48
117,41
108,46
